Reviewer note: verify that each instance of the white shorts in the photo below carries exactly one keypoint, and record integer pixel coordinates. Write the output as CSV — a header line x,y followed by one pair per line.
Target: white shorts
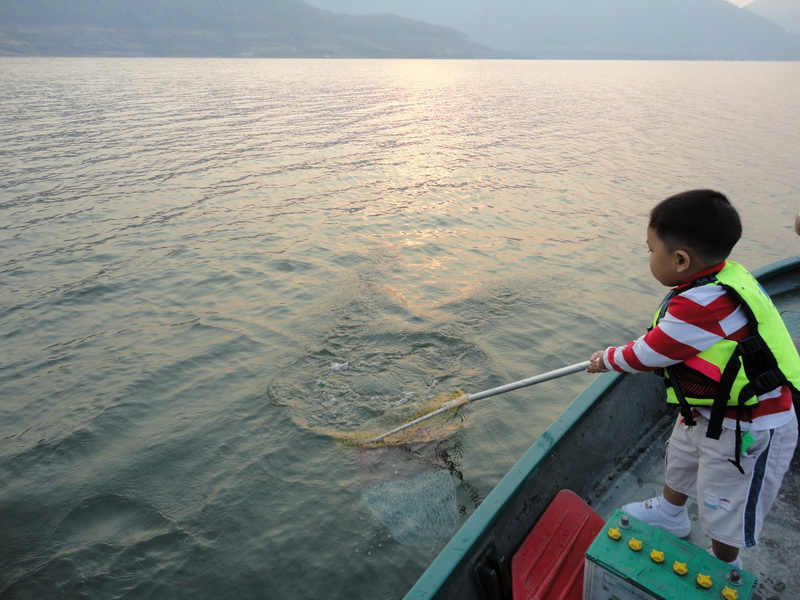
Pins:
x,y
732,506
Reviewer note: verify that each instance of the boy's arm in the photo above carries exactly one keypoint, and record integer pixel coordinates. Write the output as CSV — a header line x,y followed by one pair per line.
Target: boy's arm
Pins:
x,y
695,320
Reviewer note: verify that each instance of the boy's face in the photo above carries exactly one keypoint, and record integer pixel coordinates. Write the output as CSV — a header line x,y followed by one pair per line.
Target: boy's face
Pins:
x,y
669,268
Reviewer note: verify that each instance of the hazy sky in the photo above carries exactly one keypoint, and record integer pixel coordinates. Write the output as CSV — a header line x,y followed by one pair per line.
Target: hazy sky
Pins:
x,y
740,2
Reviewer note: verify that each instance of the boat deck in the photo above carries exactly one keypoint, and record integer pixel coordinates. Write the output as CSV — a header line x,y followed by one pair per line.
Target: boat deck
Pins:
x,y
775,560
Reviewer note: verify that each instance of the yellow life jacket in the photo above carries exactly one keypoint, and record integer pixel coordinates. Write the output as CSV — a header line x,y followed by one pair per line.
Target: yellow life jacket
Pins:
x,y
730,373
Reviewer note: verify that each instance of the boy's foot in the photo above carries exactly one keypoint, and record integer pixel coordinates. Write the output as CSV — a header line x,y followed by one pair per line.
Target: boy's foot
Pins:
x,y
651,513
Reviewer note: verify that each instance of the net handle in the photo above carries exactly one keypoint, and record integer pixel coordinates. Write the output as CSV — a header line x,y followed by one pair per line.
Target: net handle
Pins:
x,y
464,399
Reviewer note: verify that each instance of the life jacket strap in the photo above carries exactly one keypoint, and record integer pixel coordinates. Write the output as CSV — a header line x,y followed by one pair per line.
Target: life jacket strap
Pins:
x,y
723,394
685,407
737,447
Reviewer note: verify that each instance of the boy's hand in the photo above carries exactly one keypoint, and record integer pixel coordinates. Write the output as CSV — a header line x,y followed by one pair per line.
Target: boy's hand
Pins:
x,y
596,364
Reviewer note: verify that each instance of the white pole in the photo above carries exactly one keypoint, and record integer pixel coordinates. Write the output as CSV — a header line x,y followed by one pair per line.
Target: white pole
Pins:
x,y
462,400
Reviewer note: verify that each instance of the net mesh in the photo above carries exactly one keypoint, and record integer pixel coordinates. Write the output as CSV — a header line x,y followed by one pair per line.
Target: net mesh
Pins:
x,y
420,511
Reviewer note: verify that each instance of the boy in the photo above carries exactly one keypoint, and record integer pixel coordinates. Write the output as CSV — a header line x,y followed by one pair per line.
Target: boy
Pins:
x,y
728,362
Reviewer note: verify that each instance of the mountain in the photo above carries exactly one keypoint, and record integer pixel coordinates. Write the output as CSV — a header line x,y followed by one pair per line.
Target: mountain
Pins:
x,y
606,29
665,29
785,13
276,28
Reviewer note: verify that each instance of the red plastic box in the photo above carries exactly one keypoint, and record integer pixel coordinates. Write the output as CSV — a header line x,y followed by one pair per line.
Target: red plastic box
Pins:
x,y
549,564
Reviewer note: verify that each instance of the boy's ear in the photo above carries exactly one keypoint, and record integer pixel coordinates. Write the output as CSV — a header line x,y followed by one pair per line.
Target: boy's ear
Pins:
x,y
682,261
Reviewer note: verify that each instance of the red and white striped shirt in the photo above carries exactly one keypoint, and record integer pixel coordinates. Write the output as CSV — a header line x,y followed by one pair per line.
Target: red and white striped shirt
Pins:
x,y
696,319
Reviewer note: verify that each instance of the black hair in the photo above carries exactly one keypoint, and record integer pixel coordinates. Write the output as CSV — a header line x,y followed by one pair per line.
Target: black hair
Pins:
x,y
704,221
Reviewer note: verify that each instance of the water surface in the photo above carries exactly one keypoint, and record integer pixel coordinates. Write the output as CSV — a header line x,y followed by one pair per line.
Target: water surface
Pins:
x,y
211,268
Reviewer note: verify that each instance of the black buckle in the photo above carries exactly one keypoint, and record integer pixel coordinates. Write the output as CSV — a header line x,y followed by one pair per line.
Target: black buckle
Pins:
x,y
750,345
766,382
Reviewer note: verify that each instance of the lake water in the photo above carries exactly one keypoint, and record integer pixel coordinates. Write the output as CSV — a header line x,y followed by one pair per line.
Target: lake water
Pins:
x,y
210,269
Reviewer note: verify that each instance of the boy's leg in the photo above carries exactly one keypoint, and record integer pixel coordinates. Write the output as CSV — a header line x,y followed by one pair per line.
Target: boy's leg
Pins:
x,y
732,506
667,511
720,550
729,527
674,497
724,551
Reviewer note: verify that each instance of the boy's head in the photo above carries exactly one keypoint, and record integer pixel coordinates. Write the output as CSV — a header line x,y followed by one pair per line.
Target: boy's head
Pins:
x,y
701,221
695,229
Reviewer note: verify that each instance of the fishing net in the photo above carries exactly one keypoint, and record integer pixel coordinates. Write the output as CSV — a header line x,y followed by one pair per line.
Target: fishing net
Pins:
x,y
434,428
356,374
419,511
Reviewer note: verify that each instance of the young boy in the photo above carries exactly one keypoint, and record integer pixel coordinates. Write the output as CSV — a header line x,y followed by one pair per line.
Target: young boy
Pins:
x,y
728,362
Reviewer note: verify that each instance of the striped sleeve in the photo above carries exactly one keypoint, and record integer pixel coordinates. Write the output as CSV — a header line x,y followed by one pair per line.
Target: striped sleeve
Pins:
x,y
695,320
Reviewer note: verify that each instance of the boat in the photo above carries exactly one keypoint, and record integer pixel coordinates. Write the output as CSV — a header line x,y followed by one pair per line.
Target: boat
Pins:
x,y
597,449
